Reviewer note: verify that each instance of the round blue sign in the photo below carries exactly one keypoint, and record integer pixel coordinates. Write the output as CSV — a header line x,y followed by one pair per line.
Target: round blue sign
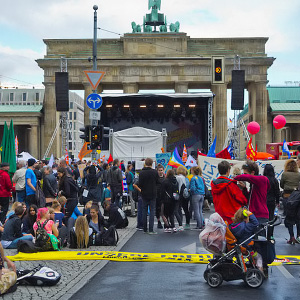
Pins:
x,y
94,101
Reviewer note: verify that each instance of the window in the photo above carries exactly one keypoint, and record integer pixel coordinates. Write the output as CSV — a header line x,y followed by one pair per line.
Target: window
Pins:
x,y
70,115
70,145
70,136
74,116
24,96
11,96
70,125
37,97
71,105
74,126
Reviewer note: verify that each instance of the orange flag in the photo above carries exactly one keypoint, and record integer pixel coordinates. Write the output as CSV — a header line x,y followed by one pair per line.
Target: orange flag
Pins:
x,y
250,152
184,154
84,151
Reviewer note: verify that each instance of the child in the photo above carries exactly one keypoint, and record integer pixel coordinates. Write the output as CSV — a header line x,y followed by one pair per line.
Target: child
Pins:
x,y
243,226
57,212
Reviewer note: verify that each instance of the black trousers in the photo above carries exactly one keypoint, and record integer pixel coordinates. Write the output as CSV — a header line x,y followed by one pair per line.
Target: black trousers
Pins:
x,y
4,202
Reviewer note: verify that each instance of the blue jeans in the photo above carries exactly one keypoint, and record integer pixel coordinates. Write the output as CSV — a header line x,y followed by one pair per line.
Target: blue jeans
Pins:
x,y
21,195
151,204
140,213
14,243
197,201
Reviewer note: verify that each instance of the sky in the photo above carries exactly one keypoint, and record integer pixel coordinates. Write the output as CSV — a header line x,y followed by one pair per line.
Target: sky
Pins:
x,y
24,25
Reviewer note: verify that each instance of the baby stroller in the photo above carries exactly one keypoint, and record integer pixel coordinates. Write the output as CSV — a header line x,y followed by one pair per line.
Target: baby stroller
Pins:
x,y
236,262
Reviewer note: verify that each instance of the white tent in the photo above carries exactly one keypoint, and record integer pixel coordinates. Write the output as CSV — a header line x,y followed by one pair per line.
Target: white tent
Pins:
x,y
25,156
136,143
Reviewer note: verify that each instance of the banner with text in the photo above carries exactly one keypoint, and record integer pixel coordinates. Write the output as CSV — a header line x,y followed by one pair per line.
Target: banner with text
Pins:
x,y
209,166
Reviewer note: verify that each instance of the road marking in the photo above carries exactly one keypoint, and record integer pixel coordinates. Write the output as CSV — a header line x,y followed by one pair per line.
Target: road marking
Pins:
x,y
285,272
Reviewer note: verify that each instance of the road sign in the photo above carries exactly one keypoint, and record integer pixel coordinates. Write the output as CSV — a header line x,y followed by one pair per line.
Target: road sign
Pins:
x,y
94,101
94,77
95,115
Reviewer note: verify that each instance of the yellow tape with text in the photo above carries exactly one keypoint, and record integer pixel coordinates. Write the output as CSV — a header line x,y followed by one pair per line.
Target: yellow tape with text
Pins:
x,y
131,256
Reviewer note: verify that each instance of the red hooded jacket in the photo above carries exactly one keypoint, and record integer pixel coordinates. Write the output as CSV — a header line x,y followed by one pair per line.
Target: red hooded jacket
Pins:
x,y
227,197
5,184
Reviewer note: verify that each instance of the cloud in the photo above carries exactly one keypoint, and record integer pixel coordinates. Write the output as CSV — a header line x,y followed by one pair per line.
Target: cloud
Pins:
x,y
19,66
74,19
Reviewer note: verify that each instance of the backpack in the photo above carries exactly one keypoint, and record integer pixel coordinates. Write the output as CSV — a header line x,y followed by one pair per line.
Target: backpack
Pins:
x,y
42,237
39,196
110,236
184,193
292,204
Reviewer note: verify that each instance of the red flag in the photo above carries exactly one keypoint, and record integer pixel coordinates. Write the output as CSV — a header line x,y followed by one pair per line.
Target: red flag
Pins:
x,y
250,153
67,157
224,154
110,159
200,153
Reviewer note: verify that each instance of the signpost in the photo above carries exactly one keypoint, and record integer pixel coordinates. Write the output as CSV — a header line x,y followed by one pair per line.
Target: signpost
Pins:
x,y
94,101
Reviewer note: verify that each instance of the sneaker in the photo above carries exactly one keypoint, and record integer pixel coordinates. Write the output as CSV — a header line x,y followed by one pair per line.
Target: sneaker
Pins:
x,y
159,225
167,230
291,241
152,232
174,229
139,228
180,228
187,227
297,240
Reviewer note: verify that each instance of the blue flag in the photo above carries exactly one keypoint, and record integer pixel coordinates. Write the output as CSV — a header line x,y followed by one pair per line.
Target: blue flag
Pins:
x,y
230,150
285,148
212,149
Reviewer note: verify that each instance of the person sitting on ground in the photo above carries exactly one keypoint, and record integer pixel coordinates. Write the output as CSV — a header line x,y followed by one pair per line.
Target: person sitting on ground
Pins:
x,y
80,234
58,215
13,207
62,201
116,215
13,230
42,217
87,208
95,219
227,196
30,219
8,277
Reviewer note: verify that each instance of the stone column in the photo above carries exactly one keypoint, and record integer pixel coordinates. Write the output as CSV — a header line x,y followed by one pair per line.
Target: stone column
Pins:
x,y
34,141
252,106
220,114
181,87
277,135
261,116
50,120
130,88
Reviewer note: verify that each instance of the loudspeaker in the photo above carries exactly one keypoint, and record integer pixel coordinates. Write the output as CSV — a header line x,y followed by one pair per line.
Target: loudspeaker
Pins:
x,y
62,91
237,89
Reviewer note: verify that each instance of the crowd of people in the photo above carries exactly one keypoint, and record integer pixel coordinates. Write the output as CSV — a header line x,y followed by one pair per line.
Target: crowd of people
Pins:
x,y
48,225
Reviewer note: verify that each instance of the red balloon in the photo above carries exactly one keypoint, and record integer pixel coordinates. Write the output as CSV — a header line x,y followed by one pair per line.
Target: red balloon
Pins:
x,y
253,127
279,121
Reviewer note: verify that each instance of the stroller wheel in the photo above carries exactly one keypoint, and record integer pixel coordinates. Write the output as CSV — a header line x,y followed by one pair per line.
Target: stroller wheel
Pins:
x,y
254,278
214,279
205,274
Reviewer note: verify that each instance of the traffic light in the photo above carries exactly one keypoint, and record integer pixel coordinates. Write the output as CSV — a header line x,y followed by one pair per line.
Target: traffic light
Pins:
x,y
96,136
218,70
86,131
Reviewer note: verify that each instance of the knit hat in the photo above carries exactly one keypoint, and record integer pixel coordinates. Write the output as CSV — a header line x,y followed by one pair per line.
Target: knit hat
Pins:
x,y
31,162
4,164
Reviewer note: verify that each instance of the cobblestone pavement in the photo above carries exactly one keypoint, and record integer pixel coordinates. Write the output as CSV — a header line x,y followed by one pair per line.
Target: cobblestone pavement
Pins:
x,y
75,274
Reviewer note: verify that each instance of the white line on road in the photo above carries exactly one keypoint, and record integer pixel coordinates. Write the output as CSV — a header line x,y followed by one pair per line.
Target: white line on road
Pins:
x,y
285,272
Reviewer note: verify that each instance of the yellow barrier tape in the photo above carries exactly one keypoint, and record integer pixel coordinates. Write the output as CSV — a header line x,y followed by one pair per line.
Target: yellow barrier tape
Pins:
x,y
114,255
131,256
